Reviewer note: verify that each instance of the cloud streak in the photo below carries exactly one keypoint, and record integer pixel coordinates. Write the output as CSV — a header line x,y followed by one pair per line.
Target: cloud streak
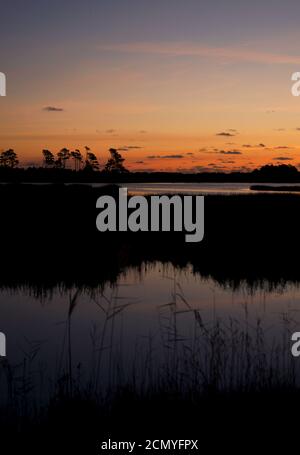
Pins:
x,y
192,49
223,133
230,152
126,148
53,109
261,145
166,157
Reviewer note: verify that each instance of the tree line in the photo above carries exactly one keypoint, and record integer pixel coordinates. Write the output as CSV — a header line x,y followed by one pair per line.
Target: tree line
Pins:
x,y
88,161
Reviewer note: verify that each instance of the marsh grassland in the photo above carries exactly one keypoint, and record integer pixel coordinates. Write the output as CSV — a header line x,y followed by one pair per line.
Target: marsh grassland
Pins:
x,y
143,333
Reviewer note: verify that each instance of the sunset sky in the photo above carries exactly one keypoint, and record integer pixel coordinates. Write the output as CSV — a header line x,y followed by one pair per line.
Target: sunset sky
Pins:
x,y
185,85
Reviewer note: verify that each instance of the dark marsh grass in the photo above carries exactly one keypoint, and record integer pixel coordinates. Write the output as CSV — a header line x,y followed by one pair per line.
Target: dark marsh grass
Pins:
x,y
212,377
251,238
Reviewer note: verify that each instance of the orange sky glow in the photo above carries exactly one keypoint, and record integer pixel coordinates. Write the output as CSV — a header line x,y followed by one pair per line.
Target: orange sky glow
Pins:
x,y
209,102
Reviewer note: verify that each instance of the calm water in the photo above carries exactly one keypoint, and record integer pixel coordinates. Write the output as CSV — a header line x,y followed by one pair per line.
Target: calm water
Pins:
x,y
188,188
136,313
193,188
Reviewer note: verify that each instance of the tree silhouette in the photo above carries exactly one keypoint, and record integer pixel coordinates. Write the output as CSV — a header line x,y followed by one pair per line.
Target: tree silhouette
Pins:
x,y
62,157
281,172
78,159
49,159
115,162
87,151
9,158
91,161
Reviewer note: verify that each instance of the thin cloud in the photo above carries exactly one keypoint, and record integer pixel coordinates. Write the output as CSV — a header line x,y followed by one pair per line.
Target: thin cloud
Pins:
x,y
53,109
191,49
126,148
172,157
224,133
168,157
283,158
224,161
209,168
261,145
230,152
111,131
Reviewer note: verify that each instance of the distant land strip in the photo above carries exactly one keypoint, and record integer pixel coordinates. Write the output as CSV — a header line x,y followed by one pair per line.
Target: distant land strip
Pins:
x,y
288,188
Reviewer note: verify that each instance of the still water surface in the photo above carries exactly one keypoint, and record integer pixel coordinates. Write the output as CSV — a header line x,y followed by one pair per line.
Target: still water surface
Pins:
x,y
194,188
138,311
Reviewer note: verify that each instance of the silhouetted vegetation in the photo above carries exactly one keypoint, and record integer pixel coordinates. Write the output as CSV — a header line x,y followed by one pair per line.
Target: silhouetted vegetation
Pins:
x,y
285,188
280,172
91,161
208,383
87,169
78,159
223,378
115,162
9,159
64,155
48,158
251,237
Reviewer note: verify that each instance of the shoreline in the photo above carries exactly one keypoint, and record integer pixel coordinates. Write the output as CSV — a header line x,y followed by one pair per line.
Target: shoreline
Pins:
x,y
272,188
245,239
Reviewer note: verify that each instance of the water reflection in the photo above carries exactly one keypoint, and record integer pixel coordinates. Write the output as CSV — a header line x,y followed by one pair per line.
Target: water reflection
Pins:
x,y
147,313
197,188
